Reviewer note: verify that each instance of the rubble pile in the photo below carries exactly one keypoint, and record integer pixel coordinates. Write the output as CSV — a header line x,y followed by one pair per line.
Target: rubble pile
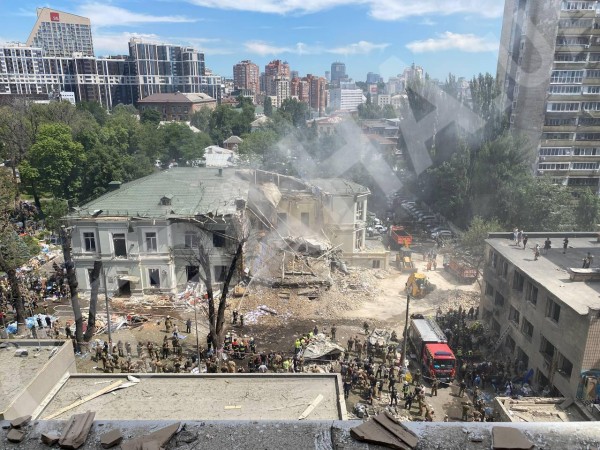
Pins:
x,y
350,291
454,299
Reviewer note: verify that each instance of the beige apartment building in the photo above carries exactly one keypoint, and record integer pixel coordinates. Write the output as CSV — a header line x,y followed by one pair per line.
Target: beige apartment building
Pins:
x,y
543,318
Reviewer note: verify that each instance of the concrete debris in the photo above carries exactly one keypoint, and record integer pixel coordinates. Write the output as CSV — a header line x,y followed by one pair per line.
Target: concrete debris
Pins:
x,y
111,439
267,309
508,438
322,347
385,430
21,352
50,438
156,440
15,435
76,430
20,421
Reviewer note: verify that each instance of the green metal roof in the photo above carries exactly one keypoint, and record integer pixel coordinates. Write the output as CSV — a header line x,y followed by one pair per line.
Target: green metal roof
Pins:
x,y
190,191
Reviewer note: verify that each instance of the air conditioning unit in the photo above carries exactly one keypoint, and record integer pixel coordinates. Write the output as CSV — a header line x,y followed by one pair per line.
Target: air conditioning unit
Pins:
x,y
542,158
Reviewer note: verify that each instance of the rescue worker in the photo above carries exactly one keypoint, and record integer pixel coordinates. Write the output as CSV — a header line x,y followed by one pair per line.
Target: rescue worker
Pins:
x,y
297,346
466,407
429,414
333,331
350,344
393,397
463,387
434,387
417,376
405,389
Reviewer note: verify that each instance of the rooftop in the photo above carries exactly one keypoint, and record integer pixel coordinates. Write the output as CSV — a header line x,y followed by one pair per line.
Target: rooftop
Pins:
x,y
533,409
233,140
339,186
178,97
194,191
551,269
214,397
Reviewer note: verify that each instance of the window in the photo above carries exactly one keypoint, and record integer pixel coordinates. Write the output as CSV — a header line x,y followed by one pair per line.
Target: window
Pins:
x,y
577,6
510,343
547,349
557,136
583,182
360,210
552,310
493,258
489,289
192,273
522,357
192,240
564,89
582,151
120,245
562,41
585,166
218,239
575,23
305,218
359,242
592,73
154,277
587,136
566,76
555,151
565,367
151,244
563,106
553,166
518,281
220,273
503,269
499,299
570,57
531,293
376,264
591,106
514,315
591,89
89,241
560,121
527,328
281,218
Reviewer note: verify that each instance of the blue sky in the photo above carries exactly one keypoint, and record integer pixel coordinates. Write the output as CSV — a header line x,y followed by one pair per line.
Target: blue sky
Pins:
x,y
382,36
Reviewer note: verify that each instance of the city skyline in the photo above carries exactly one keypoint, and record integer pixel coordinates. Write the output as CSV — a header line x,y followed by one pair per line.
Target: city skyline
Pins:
x,y
382,37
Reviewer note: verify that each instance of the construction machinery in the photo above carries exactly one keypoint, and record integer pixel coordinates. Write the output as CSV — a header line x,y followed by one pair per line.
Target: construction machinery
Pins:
x,y
404,260
418,286
399,237
460,268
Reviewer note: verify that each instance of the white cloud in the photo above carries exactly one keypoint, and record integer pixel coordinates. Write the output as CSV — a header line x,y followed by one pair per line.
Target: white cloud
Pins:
x,y
264,48
103,15
469,43
359,48
379,9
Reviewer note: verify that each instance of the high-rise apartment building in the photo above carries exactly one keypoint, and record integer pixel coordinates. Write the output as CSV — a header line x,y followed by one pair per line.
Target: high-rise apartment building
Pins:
x,y
61,34
318,93
165,68
338,73
275,69
549,71
246,75
281,86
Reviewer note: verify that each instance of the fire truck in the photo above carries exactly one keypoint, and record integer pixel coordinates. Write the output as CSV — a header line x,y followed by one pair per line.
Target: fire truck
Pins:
x,y
430,345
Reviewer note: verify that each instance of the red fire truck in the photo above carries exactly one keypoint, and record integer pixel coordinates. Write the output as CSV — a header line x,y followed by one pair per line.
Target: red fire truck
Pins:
x,y
430,345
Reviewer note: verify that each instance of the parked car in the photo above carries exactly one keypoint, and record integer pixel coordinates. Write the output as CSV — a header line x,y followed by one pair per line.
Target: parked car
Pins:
x,y
442,234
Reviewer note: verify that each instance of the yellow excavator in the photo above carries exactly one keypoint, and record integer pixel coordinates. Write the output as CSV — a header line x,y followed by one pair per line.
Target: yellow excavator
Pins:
x,y
418,286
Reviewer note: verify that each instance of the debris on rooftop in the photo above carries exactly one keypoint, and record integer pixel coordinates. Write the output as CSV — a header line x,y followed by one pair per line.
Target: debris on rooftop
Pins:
x,y
386,431
508,438
76,430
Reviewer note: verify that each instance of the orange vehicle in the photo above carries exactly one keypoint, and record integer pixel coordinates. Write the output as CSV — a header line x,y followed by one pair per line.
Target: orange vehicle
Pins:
x,y
461,269
399,237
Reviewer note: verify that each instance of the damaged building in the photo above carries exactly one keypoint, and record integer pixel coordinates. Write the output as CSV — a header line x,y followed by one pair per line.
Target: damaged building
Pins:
x,y
150,234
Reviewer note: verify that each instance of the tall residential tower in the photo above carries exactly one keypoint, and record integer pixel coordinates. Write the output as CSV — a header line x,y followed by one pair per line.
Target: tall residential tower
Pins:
x,y
549,71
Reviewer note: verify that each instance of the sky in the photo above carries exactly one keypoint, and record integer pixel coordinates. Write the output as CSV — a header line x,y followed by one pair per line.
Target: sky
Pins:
x,y
380,36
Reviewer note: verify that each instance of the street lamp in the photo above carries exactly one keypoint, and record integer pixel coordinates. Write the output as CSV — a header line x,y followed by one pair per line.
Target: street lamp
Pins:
x,y
405,335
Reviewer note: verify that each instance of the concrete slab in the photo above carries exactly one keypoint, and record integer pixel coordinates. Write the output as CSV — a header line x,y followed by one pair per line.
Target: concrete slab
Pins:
x,y
204,397
17,372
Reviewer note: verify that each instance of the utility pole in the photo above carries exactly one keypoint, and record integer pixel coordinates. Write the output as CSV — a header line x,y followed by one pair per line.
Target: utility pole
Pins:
x,y
404,341
196,325
107,309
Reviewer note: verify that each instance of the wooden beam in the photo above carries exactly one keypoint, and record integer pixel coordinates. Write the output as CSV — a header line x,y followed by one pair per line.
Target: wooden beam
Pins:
x,y
102,391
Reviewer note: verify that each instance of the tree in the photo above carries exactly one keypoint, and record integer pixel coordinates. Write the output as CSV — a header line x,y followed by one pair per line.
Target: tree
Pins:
x,y
65,237
54,163
95,283
389,112
95,109
587,210
201,119
236,236
13,251
294,111
221,123
473,240
150,115
55,209
268,106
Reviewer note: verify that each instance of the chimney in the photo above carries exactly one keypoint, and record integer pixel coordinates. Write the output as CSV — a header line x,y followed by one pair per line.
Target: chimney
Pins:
x,y
220,172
